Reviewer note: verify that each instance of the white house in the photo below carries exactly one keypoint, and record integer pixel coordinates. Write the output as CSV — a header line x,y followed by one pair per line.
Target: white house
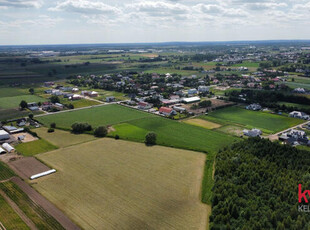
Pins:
x,y
252,133
203,89
300,115
254,107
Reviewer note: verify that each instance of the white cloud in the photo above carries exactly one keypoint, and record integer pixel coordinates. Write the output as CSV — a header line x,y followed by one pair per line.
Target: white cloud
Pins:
x,y
85,7
21,3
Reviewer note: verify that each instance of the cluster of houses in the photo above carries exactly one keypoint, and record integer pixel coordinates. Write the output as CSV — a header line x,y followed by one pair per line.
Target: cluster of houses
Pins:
x,y
295,137
254,107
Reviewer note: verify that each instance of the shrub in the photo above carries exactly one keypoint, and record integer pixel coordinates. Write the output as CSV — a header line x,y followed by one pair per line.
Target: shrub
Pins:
x,y
116,137
81,127
101,131
53,125
150,138
50,130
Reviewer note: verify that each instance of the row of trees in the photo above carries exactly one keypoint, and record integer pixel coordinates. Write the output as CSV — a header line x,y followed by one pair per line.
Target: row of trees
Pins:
x,y
256,186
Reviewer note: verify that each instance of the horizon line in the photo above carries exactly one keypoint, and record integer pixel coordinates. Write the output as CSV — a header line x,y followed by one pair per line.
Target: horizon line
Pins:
x,y
165,42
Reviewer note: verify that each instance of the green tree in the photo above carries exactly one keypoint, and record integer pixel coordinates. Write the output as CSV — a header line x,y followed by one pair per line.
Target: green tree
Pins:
x,y
101,131
31,90
150,138
30,116
23,104
54,99
53,125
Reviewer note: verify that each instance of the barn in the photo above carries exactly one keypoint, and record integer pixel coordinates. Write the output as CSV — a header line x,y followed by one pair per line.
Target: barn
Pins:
x,y
4,135
8,147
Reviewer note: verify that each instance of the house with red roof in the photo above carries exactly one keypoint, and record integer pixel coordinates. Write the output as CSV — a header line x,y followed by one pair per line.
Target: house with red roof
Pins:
x,y
167,111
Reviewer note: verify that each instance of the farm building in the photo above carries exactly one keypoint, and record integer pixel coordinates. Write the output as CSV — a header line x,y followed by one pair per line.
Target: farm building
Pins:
x,y
4,135
191,99
8,147
12,129
167,111
2,151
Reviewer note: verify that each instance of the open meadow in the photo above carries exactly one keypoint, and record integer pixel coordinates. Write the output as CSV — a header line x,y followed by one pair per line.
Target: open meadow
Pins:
x,y
97,116
13,102
62,138
108,184
267,122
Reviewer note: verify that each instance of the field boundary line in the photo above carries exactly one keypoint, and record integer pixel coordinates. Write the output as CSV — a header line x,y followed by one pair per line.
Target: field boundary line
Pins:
x,y
45,204
19,212
2,226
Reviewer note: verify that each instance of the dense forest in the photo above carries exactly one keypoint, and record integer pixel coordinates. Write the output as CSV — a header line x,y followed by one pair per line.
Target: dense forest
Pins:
x,y
256,186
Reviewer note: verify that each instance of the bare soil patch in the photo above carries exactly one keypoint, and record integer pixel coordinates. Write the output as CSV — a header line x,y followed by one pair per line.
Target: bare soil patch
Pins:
x,y
27,137
25,167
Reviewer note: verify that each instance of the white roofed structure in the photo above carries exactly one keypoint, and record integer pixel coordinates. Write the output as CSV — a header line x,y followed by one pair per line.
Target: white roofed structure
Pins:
x,y
4,135
8,147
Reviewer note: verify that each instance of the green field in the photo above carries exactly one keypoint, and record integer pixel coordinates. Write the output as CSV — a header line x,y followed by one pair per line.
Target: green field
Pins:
x,y
13,102
299,106
126,185
9,218
35,147
80,103
174,134
269,123
5,172
62,138
39,217
103,115
11,92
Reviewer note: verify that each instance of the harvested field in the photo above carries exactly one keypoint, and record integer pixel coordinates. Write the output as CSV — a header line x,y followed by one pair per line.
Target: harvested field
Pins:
x,y
62,138
115,184
202,123
27,166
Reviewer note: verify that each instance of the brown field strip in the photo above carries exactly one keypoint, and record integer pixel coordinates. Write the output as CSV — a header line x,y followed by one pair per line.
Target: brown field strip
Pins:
x,y
202,123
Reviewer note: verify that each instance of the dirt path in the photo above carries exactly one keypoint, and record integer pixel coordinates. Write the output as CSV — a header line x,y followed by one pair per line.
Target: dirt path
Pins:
x,y
45,204
2,227
19,212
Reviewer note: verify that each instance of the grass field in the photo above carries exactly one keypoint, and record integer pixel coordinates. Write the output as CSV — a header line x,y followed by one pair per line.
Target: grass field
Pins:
x,y
13,102
5,172
38,216
103,115
62,138
299,106
202,123
174,134
35,147
126,185
9,218
269,123
11,92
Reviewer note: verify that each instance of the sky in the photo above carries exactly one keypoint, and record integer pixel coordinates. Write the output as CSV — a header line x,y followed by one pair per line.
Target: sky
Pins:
x,y
102,21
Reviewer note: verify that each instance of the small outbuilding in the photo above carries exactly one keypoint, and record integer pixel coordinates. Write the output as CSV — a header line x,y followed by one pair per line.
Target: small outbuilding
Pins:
x,y
2,151
8,147
4,135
